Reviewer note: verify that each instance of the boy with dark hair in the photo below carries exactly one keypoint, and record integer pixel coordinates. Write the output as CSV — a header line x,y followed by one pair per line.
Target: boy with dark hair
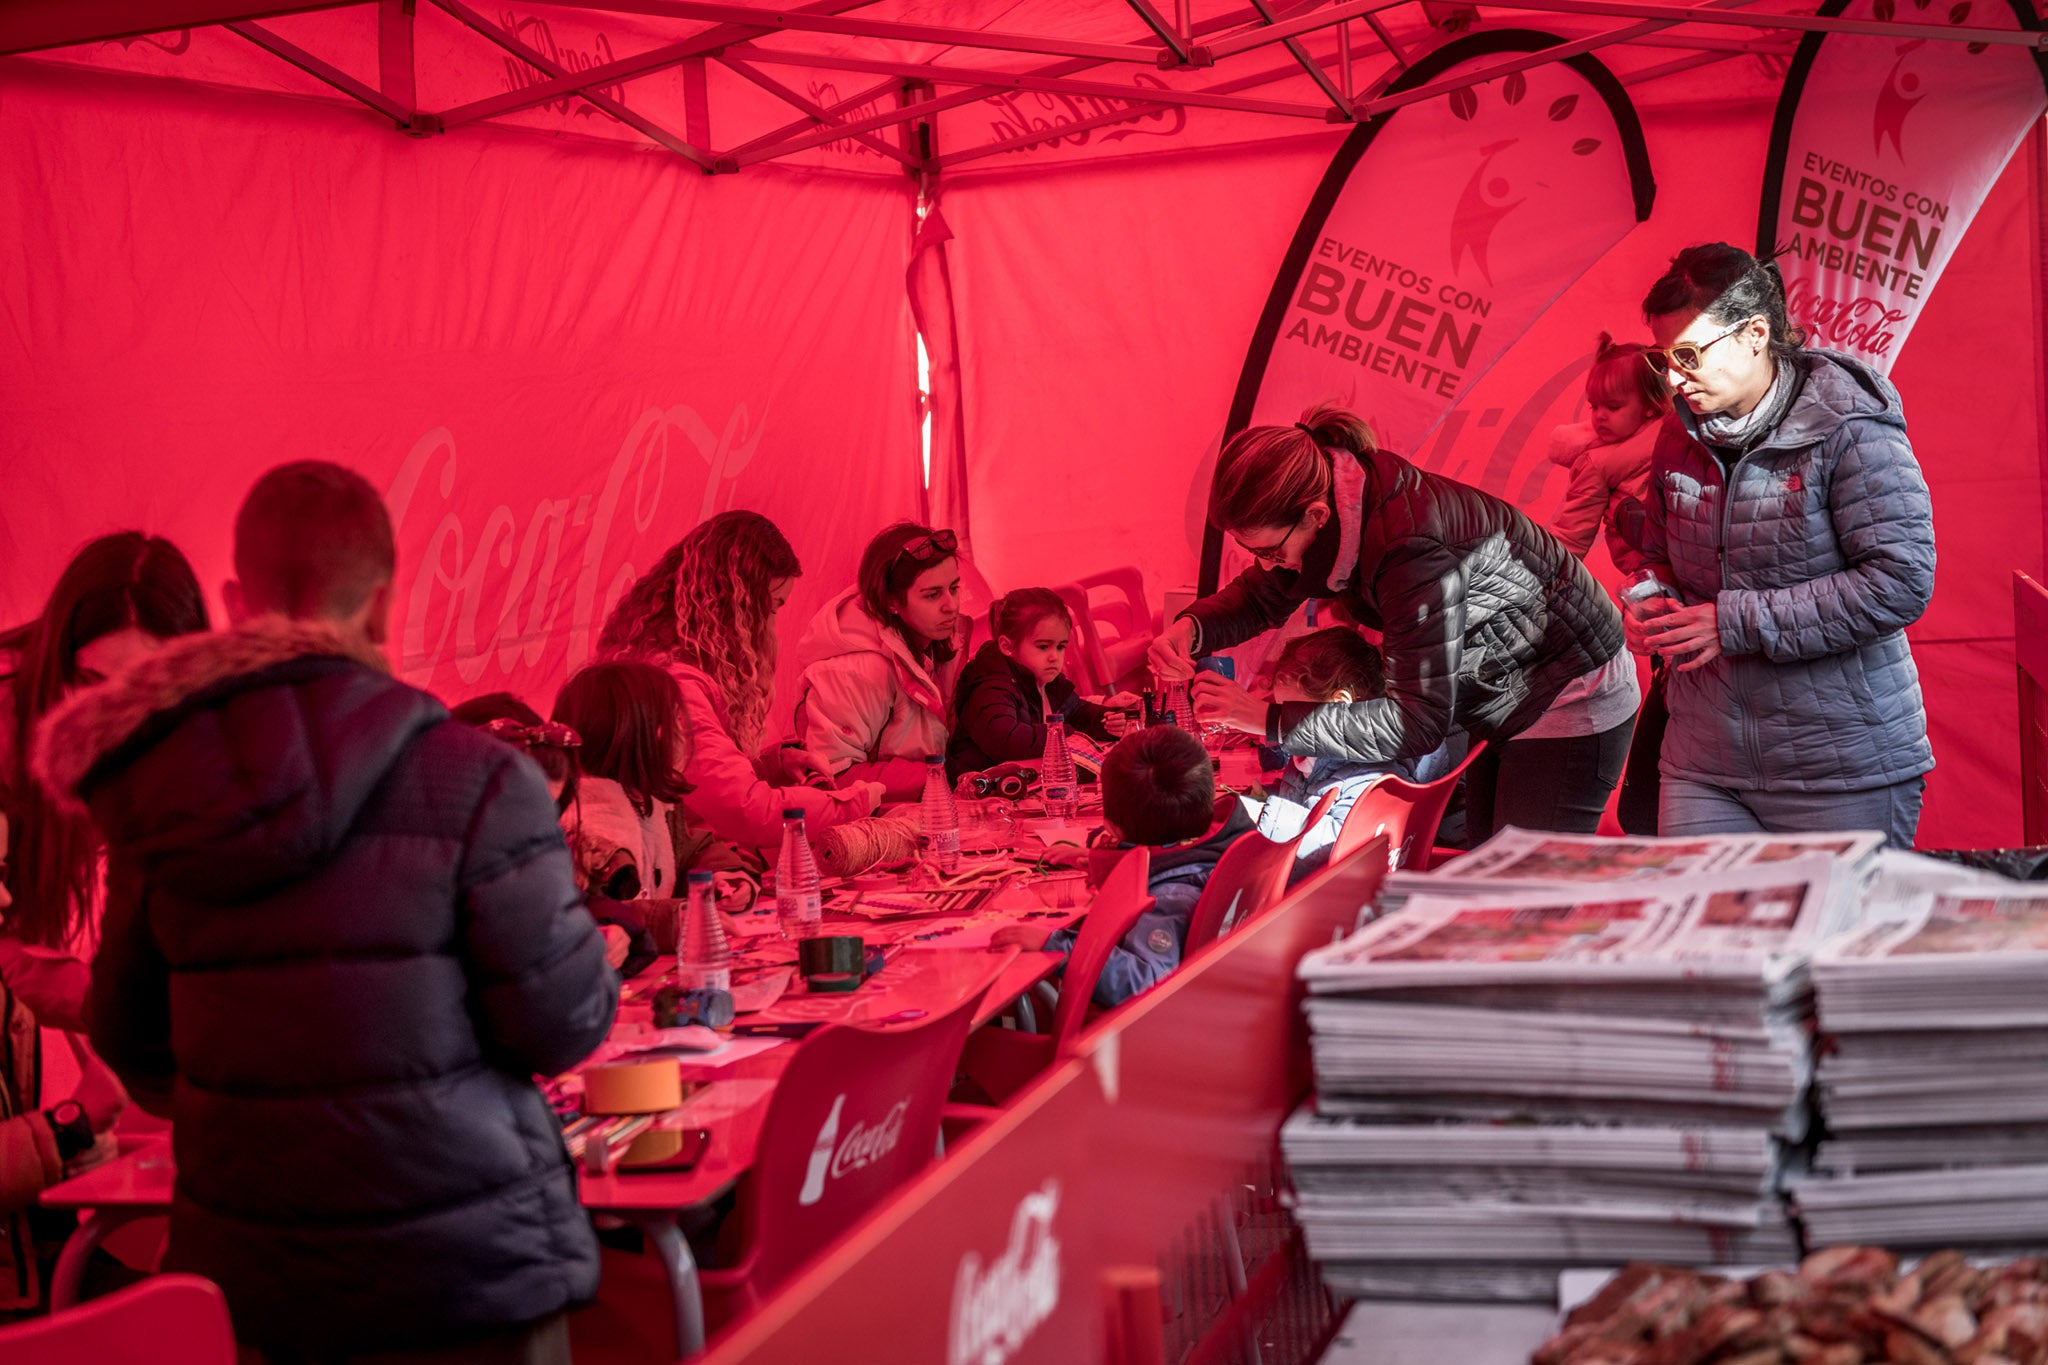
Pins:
x,y
342,935
1157,790
1336,664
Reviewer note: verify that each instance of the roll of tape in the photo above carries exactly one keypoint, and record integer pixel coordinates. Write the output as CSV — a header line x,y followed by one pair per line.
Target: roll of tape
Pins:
x,y
835,983
643,1087
656,1144
835,955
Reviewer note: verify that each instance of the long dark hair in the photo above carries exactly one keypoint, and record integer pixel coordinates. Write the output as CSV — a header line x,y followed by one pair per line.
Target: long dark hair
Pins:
x,y
118,581
627,713
886,572
1729,285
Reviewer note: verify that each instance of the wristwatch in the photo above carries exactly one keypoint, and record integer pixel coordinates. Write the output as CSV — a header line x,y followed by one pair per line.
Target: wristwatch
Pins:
x,y
71,1129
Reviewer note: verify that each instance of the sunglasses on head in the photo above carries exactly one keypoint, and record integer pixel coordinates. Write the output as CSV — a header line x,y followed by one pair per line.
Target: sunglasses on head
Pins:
x,y
549,734
1685,356
926,548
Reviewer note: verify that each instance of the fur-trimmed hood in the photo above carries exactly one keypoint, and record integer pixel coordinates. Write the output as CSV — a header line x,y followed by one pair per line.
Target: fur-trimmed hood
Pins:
x,y
233,762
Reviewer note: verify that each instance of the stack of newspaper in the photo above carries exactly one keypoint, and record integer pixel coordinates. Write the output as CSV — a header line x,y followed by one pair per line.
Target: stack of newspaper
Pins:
x,y
1933,1082
1511,1082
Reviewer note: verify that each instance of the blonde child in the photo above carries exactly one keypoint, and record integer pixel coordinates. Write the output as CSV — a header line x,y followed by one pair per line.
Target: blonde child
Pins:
x,y
1608,454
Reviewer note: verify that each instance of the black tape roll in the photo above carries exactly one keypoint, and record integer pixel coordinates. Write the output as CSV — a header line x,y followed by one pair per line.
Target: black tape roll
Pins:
x,y
833,955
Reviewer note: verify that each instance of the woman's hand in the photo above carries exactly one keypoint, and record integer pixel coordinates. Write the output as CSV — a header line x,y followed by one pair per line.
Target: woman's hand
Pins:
x,y
1694,631
1219,701
1636,617
792,766
1172,657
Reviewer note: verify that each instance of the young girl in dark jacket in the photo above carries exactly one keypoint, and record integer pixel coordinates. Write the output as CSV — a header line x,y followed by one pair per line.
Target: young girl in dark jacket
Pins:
x,y
1015,682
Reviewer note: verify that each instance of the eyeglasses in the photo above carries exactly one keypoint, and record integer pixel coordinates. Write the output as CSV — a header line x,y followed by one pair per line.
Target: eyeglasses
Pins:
x,y
1277,551
549,734
926,548
1685,356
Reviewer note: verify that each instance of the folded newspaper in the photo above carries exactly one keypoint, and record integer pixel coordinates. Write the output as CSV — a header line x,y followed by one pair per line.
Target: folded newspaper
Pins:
x,y
1933,1080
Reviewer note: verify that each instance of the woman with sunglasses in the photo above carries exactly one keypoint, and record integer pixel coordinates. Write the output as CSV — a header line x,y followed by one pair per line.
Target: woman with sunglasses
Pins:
x,y
880,660
1789,523
1489,625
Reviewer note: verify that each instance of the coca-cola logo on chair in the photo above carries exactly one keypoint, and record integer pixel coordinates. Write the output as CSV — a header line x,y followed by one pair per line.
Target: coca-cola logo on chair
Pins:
x,y
833,1158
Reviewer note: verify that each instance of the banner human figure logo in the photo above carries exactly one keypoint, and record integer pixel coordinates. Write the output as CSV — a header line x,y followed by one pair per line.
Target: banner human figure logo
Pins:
x,y
1882,152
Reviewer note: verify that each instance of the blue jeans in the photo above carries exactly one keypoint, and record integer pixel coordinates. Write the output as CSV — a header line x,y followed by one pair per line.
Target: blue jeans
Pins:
x,y
1688,808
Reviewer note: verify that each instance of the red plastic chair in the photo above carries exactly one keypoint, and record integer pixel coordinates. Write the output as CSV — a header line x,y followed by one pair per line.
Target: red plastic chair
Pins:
x,y
1426,801
1003,1061
1112,633
1250,877
854,1117
165,1320
1377,811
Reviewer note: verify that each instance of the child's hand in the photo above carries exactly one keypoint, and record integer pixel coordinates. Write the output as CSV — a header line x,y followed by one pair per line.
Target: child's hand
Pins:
x,y
736,891
1115,706
1023,936
1065,855
1172,657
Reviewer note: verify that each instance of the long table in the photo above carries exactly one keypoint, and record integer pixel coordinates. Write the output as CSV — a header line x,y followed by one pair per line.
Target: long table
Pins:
x,y
917,980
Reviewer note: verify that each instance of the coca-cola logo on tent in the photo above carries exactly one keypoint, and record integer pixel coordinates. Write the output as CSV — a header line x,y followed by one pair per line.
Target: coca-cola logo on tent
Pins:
x,y
1882,152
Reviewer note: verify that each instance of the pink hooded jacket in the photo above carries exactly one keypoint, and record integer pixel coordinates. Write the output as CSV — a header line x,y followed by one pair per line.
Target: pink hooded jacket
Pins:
x,y
866,709
729,797
1601,477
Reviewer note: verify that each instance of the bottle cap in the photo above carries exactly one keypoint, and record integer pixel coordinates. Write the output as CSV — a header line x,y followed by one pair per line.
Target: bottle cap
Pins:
x,y
697,878
933,760
793,813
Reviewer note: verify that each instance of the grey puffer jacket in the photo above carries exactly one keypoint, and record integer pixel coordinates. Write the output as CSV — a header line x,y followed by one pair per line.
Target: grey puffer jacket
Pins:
x,y
1817,548
1485,616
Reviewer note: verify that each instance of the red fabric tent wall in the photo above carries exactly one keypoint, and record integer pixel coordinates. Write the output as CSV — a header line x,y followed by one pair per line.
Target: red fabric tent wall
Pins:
x,y
555,355
558,353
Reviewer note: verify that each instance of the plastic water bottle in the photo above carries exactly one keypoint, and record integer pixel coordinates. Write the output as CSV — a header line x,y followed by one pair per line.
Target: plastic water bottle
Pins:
x,y
938,818
703,957
1180,701
1056,771
799,902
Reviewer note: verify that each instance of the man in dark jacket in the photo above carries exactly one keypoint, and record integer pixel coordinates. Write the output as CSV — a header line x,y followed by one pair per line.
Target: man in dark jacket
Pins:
x,y
342,936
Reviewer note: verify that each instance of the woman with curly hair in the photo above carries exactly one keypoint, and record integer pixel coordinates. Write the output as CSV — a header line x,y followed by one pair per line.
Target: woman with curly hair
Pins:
x,y
706,612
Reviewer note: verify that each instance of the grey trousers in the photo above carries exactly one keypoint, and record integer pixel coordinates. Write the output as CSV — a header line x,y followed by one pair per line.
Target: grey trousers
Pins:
x,y
1685,808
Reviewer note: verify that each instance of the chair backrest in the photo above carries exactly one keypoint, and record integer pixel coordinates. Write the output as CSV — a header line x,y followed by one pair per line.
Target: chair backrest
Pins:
x,y
1124,896
1250,876
1426,801
165,1320
1087,666
855,1115
1378,810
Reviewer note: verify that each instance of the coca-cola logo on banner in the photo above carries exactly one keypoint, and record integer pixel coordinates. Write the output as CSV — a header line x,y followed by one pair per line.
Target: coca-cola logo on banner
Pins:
x,y
1882,152
996,1307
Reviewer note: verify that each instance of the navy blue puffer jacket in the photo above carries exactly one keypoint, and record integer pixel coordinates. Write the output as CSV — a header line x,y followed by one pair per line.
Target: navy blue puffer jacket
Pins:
x,y
342,936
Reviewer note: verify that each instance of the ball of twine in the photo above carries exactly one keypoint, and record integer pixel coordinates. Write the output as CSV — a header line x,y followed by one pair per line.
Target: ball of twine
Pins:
x,y
851,849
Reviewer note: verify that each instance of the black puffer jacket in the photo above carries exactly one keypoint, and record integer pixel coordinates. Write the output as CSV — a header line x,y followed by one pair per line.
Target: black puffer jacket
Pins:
x,y
342,936
1485,616
999,715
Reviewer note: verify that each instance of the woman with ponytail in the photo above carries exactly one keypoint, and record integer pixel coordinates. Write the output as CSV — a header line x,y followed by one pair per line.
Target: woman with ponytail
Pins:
x,y
1489,626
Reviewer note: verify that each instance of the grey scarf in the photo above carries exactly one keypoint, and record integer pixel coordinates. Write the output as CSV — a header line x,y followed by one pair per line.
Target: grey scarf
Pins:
x,y
1739,434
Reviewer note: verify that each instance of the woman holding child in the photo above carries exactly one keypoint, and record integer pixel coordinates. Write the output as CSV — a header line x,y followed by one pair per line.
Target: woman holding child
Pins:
x,y
1489,625
1791,539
